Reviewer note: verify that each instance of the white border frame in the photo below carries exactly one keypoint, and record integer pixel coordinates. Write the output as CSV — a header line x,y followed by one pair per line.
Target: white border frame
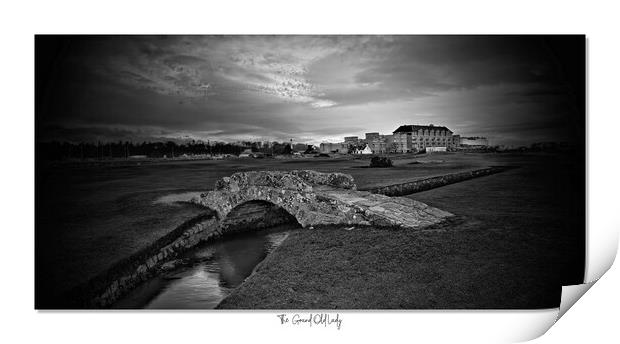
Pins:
x,y
20,21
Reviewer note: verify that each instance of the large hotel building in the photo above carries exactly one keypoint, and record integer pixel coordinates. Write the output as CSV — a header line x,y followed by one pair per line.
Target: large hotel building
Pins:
x,y
412,138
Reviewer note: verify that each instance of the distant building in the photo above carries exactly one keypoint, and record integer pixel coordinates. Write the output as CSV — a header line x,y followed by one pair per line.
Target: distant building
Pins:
x,y
372,136
435,149
475,141
247,153
327,147
353,140
379,144
412,138
456,140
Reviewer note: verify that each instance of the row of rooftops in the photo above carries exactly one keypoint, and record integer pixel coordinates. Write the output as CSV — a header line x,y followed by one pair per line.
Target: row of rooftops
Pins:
x,y
412,127
402,129
376,138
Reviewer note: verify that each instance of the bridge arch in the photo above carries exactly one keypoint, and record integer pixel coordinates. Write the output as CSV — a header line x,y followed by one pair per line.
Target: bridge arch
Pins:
x,y
256,214
292,202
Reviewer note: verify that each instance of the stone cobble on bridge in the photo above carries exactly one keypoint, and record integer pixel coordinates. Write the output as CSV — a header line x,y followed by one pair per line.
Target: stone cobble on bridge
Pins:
x,y
316,199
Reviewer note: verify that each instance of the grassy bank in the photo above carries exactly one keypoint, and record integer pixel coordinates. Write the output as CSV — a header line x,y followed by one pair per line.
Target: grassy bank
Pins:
x,y
517,237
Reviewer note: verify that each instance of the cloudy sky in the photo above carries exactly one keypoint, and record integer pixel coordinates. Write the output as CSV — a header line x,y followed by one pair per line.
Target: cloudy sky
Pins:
x,y
306,88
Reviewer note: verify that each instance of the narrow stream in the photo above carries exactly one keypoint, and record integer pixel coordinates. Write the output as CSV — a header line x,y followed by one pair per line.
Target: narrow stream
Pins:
x,y
208,273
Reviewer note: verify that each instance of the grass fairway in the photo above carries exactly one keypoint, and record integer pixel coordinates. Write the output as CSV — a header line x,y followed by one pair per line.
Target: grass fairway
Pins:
x,y
518,236
88,218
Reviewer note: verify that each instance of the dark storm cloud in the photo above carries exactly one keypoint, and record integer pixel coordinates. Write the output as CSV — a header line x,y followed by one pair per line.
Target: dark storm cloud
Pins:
x,y
442,64
310,87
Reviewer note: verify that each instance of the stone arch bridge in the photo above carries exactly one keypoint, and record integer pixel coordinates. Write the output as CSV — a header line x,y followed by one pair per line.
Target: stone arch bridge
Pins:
x,y
316,199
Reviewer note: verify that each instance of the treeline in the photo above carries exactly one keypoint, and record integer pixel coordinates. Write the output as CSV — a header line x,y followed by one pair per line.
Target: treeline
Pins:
x,y
113,150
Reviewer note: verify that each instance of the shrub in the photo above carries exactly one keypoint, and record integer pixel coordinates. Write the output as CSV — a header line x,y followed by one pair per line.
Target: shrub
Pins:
x,y
380,162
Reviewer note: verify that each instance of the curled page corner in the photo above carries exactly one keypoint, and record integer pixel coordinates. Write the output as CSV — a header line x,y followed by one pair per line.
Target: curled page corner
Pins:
x,y
536,325
570,295
601,254
601,251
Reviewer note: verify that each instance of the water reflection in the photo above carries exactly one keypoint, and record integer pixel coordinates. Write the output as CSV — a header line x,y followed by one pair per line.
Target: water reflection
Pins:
x,y
214,270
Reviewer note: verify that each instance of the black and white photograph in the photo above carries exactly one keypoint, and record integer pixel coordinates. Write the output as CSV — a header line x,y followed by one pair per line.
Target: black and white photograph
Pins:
x,y
301,172
309,172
